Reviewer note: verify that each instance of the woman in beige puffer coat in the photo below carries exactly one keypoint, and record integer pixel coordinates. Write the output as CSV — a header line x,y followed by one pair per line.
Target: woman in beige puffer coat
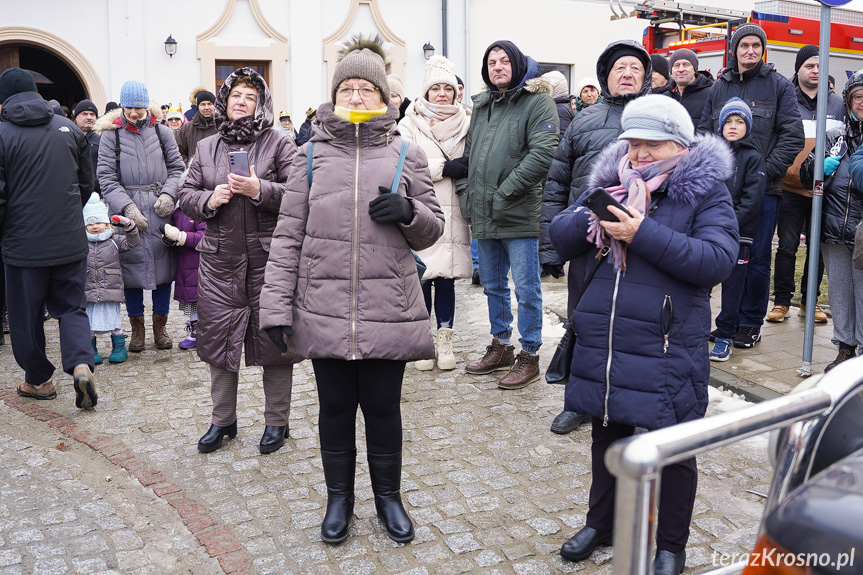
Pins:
x,y
439,125
341,284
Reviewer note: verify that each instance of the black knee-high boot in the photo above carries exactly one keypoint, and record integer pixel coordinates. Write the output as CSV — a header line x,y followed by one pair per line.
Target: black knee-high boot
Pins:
x,y
386,475
339,470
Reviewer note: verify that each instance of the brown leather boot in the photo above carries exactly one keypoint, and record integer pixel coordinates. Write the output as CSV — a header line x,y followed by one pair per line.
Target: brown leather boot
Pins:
x,y
523,373
136,342
160,334
497,357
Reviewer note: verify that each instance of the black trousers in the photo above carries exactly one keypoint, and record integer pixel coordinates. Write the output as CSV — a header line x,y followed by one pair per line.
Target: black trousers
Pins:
x,y
676,491
375,385
795,213
61,288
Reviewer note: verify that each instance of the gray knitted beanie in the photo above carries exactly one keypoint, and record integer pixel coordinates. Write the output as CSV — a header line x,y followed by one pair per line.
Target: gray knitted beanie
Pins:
x,y
363,58
657,118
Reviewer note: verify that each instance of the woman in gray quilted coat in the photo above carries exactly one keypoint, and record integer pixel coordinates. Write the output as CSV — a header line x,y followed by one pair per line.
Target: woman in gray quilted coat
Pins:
x,y
240,213
341,285
139,169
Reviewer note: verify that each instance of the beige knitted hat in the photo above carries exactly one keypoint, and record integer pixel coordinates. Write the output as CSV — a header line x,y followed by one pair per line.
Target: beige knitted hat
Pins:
x,y
363,58
439,70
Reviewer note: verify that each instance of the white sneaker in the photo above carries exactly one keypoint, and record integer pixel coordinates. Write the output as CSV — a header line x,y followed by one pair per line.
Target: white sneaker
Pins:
x,y
424,365
445,356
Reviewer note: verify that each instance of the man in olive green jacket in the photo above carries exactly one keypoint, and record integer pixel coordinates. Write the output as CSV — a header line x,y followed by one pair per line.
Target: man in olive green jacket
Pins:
x,y
513,135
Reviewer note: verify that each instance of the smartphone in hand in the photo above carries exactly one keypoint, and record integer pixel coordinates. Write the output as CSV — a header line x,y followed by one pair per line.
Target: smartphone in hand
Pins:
x,y
598,201
239,163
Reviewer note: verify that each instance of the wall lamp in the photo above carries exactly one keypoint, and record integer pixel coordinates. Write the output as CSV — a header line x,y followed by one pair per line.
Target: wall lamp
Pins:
x,y
428,50
170,46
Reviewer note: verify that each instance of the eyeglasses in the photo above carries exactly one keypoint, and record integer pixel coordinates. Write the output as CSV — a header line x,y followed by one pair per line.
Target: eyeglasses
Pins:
x,y
857,98
347,93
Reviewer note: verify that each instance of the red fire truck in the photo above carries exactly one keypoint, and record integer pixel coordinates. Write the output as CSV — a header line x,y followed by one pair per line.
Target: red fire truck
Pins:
x,y
788,25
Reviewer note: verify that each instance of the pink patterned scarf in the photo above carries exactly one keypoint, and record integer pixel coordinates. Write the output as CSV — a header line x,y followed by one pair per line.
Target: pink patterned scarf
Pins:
x,y
636,185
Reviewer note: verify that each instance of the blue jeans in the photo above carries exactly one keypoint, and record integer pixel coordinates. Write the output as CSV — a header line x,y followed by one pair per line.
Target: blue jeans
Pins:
x,y
161,300
756,292
497,258
474,253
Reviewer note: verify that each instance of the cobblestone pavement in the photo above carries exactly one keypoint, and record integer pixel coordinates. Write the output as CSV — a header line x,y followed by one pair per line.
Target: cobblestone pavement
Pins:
x,y
489,488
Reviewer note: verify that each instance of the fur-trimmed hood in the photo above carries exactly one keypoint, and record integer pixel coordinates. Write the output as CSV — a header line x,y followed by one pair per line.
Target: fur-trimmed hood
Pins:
x,y
110,121
709,162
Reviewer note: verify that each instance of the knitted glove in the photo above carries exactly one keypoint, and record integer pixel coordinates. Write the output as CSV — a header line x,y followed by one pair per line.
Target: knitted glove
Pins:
x,y
275,335
389,207
173,234
127,224
555,270
830,165
133,213
164,205
455,169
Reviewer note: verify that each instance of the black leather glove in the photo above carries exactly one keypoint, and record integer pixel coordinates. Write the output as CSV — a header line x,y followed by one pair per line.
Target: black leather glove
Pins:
x,y
275,335
456,168
390,207
555,270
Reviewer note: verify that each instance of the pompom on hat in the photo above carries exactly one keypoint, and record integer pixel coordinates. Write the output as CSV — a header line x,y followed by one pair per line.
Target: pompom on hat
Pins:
x,y
657,118
439,70
735,106
95,211
365,59
134,94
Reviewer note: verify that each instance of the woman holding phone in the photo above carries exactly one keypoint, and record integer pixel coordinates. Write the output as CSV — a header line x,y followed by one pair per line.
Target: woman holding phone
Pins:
x,y
641,358
240,212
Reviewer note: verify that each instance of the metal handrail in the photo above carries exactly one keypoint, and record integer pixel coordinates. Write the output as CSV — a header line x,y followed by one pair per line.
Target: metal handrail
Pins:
x,y
637,462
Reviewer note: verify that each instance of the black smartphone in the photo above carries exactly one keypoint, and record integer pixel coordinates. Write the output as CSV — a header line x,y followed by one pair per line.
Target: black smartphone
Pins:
x,y
598,201
239,162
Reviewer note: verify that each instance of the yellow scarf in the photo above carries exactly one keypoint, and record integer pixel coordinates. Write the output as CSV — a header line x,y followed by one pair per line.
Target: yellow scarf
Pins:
x,y
357,116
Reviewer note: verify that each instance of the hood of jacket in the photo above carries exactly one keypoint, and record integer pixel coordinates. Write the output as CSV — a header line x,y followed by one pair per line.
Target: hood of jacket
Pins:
x,y
248,128
27,109
533,85
115,118
603,67
710,160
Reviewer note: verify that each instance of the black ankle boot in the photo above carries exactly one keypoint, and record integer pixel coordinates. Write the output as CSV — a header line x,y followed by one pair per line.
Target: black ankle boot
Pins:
x,y
339,471
669,563
386,476
212,440
273,438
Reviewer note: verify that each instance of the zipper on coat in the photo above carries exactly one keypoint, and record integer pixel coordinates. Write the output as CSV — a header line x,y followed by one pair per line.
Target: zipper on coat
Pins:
x,y
845,217
355,249
610,339
665,321
308,280
404,285
96,269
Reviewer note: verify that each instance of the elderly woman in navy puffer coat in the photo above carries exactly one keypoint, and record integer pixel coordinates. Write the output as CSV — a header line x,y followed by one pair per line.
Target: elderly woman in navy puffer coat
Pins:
x,y
643,321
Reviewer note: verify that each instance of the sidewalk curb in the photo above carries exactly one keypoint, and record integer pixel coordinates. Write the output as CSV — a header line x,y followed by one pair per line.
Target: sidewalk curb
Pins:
x,y
719,379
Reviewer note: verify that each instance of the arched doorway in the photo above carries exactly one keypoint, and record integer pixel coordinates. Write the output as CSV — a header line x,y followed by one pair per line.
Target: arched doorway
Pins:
x,y
55,80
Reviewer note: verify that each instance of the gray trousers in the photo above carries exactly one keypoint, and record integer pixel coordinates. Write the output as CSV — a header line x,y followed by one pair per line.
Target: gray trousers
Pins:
x,y
278,381
845,292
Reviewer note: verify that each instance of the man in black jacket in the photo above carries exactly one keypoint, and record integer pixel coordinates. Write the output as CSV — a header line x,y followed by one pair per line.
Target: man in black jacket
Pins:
x,y
778,134
690,85
624,71
306,129
84,115
46,176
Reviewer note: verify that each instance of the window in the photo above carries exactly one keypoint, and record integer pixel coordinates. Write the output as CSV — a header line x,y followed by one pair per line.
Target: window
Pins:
x,y
225,68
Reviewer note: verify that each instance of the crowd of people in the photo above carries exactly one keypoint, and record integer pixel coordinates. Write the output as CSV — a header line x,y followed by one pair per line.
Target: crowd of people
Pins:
x,y
337,241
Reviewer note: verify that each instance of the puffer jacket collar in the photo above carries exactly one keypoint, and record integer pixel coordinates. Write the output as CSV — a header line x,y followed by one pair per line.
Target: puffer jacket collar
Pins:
x,y
377,132
115,120
203,123
709,160
732,75
26,109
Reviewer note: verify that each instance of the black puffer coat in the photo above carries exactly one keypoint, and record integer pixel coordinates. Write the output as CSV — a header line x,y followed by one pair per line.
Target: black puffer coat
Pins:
x,y
694,97
747,187
777,131
590,131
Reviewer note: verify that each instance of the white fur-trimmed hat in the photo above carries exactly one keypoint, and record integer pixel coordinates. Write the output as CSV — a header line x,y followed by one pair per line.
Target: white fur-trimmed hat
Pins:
x,y
439,70
657,118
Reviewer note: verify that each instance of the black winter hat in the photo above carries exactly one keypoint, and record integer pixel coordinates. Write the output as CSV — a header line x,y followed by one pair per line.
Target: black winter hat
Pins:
x,y
660,64
111,106
14,81
744,30
804,54
517,60
84,105
205,96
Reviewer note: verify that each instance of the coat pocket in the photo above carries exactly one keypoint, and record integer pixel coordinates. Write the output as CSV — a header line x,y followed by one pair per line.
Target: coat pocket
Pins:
x,y
464,205
516,137
308,281
404,284
512,211
208,244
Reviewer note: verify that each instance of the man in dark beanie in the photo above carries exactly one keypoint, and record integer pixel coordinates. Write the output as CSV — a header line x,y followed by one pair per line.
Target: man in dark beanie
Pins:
x,y
203,124
659,79
796,206
512,137
777,132
46,176
690,85
624,71
84,115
